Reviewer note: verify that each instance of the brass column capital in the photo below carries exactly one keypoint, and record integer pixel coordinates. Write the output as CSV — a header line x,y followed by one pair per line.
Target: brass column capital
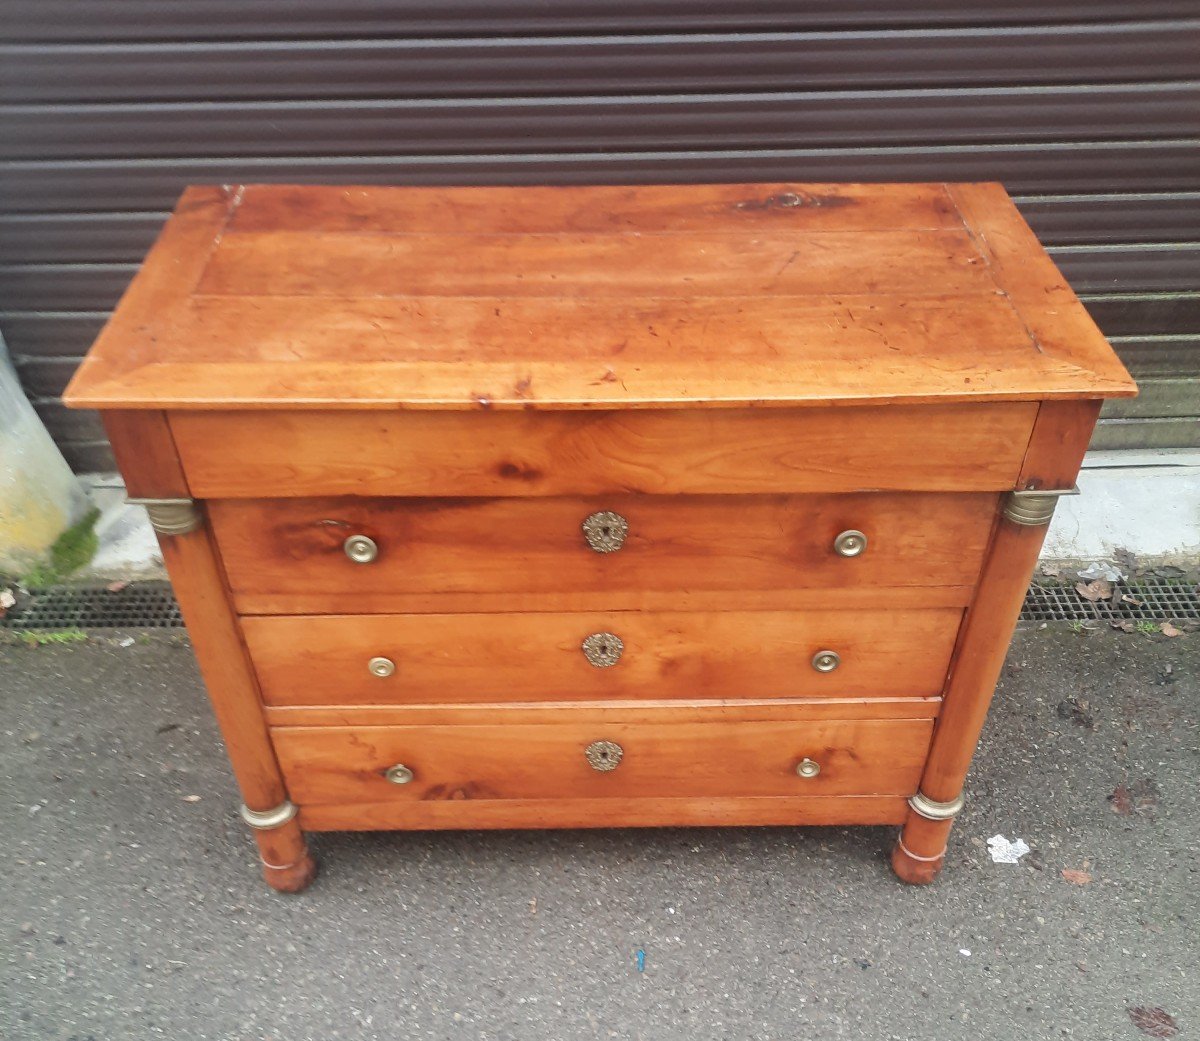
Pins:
x,y
171,516
1035,506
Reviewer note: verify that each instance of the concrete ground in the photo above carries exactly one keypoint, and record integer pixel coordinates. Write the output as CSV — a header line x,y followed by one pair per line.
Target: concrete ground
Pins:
x,y
134,910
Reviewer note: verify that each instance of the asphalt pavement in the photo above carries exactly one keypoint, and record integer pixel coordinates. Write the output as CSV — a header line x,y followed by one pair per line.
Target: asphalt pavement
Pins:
x,y
133,908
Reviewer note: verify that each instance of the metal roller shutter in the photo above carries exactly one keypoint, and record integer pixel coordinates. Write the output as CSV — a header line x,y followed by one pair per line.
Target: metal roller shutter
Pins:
x,y
1090,115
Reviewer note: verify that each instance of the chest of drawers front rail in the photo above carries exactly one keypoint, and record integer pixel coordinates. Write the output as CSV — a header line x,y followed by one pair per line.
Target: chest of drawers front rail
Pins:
x,y
674,506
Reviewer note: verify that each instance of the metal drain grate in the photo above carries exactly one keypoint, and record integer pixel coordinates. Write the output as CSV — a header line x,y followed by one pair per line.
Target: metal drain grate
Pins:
x,y
141,605
151,605
1146,600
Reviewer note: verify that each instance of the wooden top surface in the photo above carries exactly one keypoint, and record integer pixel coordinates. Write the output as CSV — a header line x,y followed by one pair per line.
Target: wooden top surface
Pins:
x,y
274,296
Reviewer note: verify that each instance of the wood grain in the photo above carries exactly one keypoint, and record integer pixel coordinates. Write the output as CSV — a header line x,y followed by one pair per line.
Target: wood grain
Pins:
x,y
291,550
599,208
463,375
304,660
582,265
644,710
590,353
595,298
347,600
1060,438
227,672
147,458
133,336
1057,322
683,758
145,453
291,454
1056,450
604,813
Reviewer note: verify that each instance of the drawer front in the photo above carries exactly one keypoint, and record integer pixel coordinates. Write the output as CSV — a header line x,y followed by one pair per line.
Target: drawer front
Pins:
x,y
459,658
286,555
685,758
529,453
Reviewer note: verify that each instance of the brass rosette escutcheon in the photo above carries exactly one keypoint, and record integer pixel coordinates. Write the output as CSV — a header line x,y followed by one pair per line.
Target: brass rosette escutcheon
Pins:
x,y
603,650
605,531
604,755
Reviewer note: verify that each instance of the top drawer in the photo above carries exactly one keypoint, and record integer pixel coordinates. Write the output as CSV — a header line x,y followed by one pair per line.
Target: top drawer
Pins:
x,y
484,453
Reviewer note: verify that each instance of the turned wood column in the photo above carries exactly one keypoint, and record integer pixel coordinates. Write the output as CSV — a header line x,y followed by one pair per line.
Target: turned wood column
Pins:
x,y
1059,439
145,451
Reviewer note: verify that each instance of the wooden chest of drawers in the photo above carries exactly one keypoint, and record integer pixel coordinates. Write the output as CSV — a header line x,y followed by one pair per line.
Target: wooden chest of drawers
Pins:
x,y
598,507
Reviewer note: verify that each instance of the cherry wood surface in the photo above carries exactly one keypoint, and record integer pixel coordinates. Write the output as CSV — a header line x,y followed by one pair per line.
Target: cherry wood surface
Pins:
x,y
633,812
1056,452
1057,323
682,758
323,660
643,710
746,451
733,208
292,549
788,262
346,600
649,297
145,453
1060,437
464,374
992,618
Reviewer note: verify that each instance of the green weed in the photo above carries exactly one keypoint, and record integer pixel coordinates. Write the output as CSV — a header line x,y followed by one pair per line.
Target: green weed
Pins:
x,y
71,550
50,637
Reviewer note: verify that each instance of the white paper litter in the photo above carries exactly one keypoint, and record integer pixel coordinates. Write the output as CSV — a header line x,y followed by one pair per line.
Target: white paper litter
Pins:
x,y
1100,569
1005,852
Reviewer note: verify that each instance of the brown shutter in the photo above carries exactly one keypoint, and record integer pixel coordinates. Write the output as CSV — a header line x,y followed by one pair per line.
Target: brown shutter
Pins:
x,y
1089,115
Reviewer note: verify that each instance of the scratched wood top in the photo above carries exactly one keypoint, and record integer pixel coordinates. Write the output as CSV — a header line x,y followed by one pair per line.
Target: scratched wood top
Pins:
x,y
270,296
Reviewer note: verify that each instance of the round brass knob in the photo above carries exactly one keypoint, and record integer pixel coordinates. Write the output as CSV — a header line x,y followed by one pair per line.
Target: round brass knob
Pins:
x,y
604,755
381,667
808,768
360,549
399,774
850,543
605,531
603,649
826,661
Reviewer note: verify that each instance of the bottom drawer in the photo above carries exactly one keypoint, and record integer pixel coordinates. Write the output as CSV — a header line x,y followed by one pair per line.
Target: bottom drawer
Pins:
x,y
405,770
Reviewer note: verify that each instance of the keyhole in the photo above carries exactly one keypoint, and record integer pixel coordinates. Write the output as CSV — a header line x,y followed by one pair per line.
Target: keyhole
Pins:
x,y
603,649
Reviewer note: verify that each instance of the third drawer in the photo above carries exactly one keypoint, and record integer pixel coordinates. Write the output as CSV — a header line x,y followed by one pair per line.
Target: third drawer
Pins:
x,y
584,764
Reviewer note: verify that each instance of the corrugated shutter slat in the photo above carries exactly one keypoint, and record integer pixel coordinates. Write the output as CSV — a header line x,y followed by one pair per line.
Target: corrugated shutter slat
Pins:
x,y
1088,112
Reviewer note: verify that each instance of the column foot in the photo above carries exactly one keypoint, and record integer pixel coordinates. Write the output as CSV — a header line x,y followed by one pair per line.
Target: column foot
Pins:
x,y
287,865
920,848
913,869
292,878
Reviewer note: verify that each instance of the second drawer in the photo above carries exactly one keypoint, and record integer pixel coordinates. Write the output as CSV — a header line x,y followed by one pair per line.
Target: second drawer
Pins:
x,y
457,658
311,556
